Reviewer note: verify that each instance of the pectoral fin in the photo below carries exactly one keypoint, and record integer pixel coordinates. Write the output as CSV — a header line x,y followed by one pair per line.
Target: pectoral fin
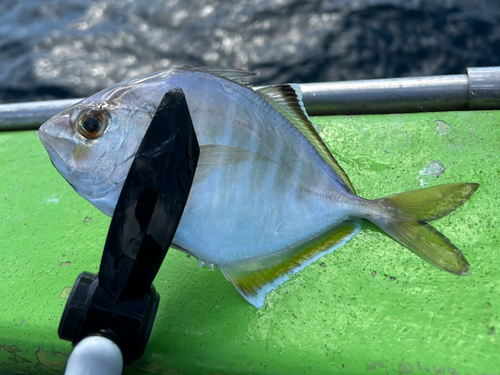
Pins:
x,y
221,155
254,278
214,157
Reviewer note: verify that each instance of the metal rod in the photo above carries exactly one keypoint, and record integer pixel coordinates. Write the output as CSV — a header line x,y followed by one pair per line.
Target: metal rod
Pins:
x,y
478,89
30,115
419,94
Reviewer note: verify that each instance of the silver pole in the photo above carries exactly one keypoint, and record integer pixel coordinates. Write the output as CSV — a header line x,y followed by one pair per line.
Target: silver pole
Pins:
x,y
478,89
484,88
402,95
30,115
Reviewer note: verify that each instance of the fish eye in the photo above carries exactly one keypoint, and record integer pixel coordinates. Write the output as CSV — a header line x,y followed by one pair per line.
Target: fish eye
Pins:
x,y
92,124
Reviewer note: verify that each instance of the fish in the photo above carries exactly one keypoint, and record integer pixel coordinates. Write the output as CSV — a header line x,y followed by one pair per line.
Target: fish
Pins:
x,y
268,197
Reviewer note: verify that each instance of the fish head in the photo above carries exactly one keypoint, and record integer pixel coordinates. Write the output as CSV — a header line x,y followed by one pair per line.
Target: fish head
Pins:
x,y
93,143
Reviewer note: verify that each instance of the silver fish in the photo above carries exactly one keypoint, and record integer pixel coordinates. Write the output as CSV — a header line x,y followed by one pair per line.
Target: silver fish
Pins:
x,y
268,197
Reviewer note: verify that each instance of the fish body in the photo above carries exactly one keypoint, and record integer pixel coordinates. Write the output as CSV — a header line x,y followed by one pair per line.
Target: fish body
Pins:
x,y
267,199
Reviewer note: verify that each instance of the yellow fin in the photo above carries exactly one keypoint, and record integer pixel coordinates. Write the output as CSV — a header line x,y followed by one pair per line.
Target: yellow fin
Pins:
x,y
254,278
425,241
405,218
287,100
431,203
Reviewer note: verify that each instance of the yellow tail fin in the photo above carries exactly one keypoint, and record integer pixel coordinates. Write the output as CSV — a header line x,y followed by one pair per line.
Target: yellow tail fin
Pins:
x,y
405,218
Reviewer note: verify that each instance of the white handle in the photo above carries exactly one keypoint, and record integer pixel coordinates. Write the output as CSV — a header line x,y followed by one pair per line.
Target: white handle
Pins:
x,y
95,355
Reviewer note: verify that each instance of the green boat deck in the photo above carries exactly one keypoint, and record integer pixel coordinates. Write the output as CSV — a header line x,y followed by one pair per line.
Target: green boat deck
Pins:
x,y
370,307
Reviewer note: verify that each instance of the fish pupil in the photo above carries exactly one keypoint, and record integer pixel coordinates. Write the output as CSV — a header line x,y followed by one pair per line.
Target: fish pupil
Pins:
x,y
91,124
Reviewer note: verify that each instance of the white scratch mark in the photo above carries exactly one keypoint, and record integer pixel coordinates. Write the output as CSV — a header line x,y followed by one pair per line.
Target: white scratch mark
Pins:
x,y
442,127
432,171
53,199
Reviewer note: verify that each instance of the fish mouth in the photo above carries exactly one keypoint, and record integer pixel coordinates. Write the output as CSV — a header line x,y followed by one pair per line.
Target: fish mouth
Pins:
x,y
52,144
52,136
56,147
96,195
44,137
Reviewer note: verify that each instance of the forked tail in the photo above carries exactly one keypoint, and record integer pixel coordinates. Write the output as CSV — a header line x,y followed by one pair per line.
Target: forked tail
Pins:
x,y
405,218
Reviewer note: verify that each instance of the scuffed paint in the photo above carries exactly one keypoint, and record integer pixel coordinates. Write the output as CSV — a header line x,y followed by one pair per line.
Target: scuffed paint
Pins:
x,y
53,200
51,358
13,351
442,127
374,365
432,171
66,292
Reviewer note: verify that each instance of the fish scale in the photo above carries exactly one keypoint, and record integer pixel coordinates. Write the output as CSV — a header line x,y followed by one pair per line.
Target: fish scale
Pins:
x,y
268,198
297,161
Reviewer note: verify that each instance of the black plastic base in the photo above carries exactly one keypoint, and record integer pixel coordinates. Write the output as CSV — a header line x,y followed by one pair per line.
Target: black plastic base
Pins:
x,y
90,311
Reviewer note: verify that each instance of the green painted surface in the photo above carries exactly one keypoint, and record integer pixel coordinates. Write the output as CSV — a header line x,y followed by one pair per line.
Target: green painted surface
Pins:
x,y
369,307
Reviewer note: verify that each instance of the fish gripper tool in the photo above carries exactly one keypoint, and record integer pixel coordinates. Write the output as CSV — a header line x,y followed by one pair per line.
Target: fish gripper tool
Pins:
x,y
120,302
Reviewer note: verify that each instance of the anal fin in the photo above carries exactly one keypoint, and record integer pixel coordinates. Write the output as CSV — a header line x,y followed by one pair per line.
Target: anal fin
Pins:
x,y
254,278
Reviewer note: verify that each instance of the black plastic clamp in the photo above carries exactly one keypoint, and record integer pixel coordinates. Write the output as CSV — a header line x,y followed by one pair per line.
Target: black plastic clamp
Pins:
x,y
120,302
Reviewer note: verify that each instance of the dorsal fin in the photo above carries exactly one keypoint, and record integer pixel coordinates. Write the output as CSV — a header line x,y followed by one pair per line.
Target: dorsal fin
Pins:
x,y
235,75
287,100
